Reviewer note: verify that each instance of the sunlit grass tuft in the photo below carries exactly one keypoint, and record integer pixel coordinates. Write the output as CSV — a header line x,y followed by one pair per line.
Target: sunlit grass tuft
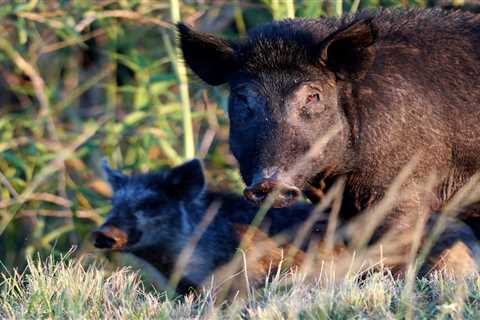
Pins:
x,y
67,289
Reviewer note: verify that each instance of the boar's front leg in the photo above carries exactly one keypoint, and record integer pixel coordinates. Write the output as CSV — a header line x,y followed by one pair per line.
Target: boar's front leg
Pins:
x,y
410,224
456,252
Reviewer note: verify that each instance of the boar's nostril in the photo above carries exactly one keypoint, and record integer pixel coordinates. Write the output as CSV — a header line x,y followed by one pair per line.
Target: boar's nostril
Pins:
x,y
259,192
109,237
258,195
102,241
289,194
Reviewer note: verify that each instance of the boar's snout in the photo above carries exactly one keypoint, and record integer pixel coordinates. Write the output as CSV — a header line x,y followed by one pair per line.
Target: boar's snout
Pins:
x,y
110,237
258,192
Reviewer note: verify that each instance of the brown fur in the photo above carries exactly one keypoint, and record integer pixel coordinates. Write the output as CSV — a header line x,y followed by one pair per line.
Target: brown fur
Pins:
x,y
398,85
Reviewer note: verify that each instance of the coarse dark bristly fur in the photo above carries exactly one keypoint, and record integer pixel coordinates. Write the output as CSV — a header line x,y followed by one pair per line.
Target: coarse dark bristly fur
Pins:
x,y
396,84
154,216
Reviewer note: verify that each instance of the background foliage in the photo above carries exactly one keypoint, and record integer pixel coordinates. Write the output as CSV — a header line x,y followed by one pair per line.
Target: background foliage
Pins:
x,y
82,80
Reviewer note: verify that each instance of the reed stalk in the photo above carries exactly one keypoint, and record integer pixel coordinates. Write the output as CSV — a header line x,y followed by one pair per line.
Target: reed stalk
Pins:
x,y
181,72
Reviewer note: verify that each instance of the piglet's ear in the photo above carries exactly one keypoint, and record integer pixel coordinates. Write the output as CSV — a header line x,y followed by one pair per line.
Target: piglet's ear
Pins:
x,y
115,178
349,51
188,180
210,57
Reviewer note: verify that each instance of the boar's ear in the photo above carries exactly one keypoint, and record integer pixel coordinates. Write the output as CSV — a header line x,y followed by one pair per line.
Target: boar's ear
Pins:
x,y
115,178
349,51
210,57
188,181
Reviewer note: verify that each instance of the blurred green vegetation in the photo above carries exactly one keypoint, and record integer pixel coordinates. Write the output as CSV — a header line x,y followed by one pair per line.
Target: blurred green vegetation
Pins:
x,y
82,80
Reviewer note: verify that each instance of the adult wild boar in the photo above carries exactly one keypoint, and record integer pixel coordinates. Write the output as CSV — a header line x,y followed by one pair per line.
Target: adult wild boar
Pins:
x,y
387,85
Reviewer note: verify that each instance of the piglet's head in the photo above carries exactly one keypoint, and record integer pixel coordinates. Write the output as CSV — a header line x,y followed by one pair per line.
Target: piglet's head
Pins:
x,y
151,209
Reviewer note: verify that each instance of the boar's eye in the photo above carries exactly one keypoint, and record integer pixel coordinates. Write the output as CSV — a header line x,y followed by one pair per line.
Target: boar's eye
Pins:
x,y
311,106
150,204
242,98
312,98
244,110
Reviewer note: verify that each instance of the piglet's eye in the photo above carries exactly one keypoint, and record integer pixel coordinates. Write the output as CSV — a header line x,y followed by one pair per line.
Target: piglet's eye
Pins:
x,y
312,98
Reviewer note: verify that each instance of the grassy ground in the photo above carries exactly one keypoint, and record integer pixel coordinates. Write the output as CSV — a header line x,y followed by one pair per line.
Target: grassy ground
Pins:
x,y
64,289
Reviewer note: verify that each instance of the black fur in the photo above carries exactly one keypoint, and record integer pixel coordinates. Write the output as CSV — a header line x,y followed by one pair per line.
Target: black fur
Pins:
x,y
160,212
396,83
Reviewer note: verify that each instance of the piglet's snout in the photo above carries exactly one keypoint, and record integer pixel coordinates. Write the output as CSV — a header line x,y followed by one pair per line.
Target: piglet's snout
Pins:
x,y
110,237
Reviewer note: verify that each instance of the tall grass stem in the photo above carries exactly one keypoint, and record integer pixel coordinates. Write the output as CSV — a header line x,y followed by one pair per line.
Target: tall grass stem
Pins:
x,y
181,70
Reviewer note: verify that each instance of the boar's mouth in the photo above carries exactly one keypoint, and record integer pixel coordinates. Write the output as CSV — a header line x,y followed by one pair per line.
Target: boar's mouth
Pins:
x,y
316,188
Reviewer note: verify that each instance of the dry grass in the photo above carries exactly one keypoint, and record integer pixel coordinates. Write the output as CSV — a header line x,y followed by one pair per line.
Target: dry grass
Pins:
x,y
65,289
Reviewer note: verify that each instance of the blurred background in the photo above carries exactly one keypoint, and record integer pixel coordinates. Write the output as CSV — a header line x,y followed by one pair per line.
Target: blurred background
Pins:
x,y
82,80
